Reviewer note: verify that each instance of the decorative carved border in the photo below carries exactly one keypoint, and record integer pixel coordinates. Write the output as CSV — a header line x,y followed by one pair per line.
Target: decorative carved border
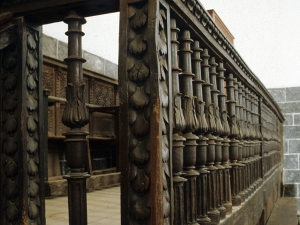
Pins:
x,y
10,137
32,124
139,114
164,79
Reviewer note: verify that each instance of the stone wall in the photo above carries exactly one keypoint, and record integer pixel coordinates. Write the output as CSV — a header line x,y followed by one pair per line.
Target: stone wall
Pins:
x,y
289,100
59,50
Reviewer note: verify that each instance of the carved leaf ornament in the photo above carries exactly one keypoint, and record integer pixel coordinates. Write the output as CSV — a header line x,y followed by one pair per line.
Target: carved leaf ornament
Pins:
x,y
164,121
9,124
139,116
32,124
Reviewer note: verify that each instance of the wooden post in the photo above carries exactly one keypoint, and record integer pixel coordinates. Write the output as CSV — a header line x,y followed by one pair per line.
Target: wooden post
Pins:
x,y
22,118
146,112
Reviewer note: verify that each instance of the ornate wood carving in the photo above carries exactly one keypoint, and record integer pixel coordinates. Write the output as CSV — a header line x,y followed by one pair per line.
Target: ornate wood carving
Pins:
x,y
213,213
48,79
146,104
164,85
189,150
21,119
226,194
238,109
10,175
61,82
75,116
178,125
100,94
218,147
201,155
233,148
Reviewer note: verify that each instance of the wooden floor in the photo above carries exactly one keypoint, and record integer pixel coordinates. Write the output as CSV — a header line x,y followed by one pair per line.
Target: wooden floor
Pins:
x,y
103,208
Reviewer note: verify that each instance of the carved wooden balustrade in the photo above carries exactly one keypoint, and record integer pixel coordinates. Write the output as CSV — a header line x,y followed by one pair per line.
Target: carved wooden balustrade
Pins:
x,y
195,112
199,133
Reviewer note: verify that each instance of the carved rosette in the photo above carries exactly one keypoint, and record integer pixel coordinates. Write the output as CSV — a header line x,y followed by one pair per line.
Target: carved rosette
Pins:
x,y
139,115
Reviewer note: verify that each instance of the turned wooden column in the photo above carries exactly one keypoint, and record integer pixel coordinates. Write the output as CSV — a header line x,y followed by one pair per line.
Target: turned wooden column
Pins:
x,y
244,131
250,143
233,148
226,194
240,138
189,151
202,142
179,125
219,129
213,212
75,116
246,153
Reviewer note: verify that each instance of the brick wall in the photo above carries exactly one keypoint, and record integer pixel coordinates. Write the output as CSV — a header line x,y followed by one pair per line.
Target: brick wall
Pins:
x,y
289,100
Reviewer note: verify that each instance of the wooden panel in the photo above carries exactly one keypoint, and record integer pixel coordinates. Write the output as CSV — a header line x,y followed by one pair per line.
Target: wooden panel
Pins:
x,y
101,94
48,79
61,82
51,121
102,124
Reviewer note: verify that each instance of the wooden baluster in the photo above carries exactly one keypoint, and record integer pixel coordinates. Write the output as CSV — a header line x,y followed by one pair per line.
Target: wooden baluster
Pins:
x,y
246,144
259,131
243,126
189,151
225,143
240,138
257,137
179,125
233,147
250,144
255,143
202,142
219,130
75,116
213,213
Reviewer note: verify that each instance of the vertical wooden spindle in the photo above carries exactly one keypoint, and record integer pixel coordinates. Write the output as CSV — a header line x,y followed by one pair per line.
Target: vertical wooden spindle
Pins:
x,y
240,138
202,142
189,151
225,143
233,148
75,116
219,129
213,213
178,126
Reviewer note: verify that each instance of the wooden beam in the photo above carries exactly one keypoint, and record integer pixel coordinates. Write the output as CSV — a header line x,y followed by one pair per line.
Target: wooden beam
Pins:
x,y
44,12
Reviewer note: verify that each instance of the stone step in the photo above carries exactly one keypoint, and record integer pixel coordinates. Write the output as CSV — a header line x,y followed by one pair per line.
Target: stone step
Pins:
x,y
284,212
59,187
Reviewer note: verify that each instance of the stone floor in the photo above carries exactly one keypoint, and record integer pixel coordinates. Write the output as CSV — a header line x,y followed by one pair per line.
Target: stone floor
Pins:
x,y
103,208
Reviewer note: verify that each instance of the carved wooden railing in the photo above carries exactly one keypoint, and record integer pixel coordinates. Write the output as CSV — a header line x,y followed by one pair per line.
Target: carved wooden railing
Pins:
x,y
199,133
195,112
